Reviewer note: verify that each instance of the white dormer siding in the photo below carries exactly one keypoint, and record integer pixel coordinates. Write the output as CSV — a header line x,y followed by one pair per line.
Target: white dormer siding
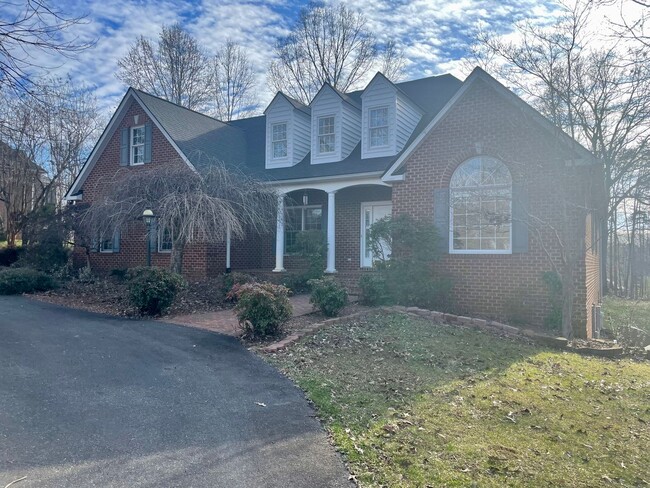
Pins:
x,y
327,106
283,119
382,97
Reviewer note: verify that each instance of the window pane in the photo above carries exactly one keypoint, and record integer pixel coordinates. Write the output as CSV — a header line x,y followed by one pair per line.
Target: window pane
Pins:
x,y
326,138
326,144
379,117
313,218
280,149
279,132
379,137
138,136
138,154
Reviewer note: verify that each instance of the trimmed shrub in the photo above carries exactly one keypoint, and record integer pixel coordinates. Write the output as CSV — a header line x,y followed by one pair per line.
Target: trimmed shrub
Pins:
x,y
47,256
119,273
236,278
406,250
328,296
152,290
296,283
262,309
10,255
14,281
374,290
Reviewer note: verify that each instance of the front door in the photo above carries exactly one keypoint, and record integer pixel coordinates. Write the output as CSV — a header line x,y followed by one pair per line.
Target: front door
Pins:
x,y
371,212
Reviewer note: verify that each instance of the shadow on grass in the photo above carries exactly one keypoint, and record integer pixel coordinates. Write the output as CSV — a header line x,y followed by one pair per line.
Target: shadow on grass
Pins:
x,y
411,403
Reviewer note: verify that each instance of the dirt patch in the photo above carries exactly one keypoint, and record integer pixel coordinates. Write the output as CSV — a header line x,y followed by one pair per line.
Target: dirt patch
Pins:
x,y
110,296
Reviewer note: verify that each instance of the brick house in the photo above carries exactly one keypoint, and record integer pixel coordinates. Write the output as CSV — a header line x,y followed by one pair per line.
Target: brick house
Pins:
x,y
507,190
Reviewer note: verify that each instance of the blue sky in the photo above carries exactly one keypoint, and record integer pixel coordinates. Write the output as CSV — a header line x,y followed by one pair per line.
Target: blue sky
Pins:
x,y
434,34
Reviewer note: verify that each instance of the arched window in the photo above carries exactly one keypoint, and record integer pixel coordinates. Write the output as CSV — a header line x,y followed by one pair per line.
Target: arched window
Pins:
x,y
480,197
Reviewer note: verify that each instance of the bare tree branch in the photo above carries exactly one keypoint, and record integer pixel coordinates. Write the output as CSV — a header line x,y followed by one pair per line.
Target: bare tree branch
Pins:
x,y
196,207
28,26
329,44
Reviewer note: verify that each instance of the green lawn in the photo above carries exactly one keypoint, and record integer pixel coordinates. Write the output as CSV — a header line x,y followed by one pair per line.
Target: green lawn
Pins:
x,y
410,403
622,312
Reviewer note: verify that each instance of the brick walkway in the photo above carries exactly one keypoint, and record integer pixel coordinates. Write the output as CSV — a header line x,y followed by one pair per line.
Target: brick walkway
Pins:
x,y
225,322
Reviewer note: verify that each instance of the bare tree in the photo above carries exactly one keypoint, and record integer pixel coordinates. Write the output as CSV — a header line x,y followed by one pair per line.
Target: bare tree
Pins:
x,y
329,44
194,207
176,68
234,83
44,142
600,96
32,25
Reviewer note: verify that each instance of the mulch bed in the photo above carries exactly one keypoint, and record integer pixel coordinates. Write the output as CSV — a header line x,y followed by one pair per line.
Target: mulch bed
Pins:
x,y
110,296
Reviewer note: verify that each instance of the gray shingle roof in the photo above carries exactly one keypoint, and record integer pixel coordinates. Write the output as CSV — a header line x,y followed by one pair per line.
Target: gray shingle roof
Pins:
x,y
242,142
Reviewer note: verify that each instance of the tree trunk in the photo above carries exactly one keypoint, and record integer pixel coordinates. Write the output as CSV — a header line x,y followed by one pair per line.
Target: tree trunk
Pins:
x,y
176,258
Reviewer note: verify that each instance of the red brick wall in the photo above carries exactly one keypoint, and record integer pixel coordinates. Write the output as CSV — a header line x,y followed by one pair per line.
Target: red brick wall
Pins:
x,y
483,123
198,259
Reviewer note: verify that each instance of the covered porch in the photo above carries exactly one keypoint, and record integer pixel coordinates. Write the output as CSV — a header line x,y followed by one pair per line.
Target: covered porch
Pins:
x,y
342,210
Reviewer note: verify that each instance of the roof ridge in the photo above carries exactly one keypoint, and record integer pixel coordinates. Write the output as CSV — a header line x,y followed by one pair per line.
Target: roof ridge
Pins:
x,y
177,105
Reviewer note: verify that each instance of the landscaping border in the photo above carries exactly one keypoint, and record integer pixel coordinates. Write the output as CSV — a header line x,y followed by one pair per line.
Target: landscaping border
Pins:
x,y
456,320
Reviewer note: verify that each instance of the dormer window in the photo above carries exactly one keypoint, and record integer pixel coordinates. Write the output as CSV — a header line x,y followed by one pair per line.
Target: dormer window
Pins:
x,y
326,135
279,140
137,145
378,126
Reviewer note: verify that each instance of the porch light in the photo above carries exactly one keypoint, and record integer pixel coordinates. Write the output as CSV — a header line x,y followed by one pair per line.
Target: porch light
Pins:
x,y
305,199
148,216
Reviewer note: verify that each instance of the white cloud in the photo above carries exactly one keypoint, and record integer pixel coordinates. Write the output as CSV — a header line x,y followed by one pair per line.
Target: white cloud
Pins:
x,y
433,33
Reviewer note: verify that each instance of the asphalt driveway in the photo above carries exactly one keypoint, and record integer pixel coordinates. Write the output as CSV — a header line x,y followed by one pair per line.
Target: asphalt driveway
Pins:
x,y
89,400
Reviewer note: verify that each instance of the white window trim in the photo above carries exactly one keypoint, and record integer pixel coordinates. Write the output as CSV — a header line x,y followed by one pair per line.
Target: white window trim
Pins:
x,y
101,245
319,135
131,145
302,223
159,246
383,146
286,140
451,224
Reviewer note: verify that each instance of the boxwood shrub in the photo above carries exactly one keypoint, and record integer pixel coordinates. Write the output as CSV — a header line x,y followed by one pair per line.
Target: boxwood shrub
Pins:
x,y
14,281
262,309
153,290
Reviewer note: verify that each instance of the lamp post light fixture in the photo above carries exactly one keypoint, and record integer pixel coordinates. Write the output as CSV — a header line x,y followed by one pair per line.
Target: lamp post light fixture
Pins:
x,y
148,218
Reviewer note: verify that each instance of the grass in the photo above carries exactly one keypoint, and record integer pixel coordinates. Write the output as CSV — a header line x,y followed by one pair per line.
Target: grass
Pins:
x,y
410,403
621,312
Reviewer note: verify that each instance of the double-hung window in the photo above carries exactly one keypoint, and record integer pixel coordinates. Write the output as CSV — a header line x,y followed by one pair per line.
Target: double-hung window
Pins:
x,y
378,126
279,140
137,145
481,207
326,135
106,245
301,219
165,240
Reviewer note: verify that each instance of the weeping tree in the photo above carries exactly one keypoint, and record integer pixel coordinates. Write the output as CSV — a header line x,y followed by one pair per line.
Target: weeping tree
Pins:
x,y
196,207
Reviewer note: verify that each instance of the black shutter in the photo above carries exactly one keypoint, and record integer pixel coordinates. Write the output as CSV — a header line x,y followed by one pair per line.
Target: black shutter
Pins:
x,y
519,219
124,147
441,217
147,142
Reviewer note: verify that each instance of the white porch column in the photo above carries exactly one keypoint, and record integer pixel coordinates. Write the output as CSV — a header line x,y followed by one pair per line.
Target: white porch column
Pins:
x,y
331,237
279,237
228,237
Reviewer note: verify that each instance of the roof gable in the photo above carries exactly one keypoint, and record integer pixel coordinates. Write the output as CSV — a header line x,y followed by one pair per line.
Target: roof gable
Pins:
x,y
378,79
478,74
329,88
280,97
